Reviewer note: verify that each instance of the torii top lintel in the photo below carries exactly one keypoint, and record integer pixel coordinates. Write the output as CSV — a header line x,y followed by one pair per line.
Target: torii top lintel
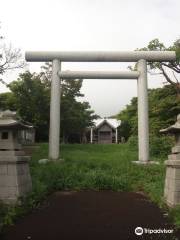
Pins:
x,y
100,56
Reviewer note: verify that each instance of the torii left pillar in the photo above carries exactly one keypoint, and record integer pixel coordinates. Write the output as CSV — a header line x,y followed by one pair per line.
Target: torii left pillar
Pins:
x,y
54,130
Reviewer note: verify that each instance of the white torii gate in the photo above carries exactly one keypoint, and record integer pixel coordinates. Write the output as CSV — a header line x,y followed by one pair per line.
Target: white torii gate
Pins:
x,y
141,57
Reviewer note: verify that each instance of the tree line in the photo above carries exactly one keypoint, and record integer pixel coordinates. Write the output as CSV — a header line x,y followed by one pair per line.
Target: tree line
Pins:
x,y
164,106
30,96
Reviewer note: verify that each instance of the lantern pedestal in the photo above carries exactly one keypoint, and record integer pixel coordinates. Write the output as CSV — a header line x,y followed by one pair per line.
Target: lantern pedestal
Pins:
x,y
15,179
172,180
172,183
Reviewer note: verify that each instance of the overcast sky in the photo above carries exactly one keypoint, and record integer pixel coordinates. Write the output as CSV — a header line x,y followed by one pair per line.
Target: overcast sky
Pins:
x,y
91,25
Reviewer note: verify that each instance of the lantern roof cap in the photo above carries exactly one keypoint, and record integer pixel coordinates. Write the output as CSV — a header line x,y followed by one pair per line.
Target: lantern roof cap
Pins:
x,y
175,128
9,119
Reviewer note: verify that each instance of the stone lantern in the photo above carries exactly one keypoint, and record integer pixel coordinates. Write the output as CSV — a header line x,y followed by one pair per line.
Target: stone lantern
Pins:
x,y
172,181
15,179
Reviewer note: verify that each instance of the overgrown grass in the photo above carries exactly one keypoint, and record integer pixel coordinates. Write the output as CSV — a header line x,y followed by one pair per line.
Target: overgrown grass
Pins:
x,y
96,167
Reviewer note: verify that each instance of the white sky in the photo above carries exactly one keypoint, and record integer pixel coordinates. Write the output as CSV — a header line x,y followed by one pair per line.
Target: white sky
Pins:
x,y
91,25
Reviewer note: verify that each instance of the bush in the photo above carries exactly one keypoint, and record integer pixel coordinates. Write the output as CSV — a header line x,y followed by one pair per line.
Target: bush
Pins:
x,y
133,142
160,146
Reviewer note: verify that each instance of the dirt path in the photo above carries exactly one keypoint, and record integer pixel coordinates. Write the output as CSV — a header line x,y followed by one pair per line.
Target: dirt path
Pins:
x,y
92,215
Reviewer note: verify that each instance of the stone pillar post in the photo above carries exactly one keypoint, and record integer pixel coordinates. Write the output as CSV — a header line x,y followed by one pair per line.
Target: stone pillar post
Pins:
x,y
54,130
116,135
143,125
91,140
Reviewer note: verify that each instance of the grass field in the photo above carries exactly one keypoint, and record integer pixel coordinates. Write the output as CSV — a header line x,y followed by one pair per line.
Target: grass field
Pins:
x,y
97,167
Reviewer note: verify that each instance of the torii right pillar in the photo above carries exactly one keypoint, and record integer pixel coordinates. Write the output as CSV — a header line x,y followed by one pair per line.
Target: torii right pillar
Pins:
x,y
143,122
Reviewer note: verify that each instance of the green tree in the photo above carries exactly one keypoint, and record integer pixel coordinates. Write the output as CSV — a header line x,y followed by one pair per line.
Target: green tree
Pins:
x,y
163,110
169,70
76,116
7,101
128,118
75,119
32,97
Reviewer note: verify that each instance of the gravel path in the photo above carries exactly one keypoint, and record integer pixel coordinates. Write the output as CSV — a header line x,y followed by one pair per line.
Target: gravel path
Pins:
x,y
90,215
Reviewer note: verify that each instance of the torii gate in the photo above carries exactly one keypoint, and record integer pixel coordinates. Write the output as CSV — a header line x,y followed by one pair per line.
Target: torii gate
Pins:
x,y
141,57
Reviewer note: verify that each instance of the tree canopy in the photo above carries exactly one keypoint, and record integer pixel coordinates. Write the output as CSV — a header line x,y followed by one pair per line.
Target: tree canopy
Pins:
x,y
163,110
30,96
31,101
169,70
